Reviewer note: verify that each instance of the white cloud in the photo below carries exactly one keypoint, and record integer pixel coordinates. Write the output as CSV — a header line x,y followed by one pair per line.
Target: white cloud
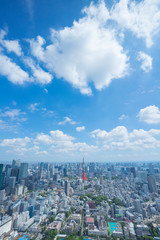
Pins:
x,y
33,107
44,139
88,51
142,18
146,61
120,138
12,71
150,115
39,75
13,114
67,120
122,117
79,129
48,113
46,90
10,45
61,142
15,142
100,12
55,141
16,145
55,137
4,125
37,47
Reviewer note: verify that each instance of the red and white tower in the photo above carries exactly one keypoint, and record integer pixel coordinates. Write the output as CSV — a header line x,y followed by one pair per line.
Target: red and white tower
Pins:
x,y
84,178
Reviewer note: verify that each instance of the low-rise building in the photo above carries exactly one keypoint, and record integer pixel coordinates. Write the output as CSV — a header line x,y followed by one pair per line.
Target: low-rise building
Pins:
x,y
89,220
56,225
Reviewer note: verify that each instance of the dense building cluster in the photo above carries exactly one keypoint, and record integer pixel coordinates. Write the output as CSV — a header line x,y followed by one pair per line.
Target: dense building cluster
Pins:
x,y
54,201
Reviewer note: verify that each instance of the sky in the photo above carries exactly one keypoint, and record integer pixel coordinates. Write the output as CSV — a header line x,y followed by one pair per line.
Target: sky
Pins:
x,y
80,78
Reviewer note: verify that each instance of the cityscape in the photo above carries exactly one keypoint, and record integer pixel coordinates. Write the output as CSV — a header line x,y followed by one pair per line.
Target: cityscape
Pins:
x,y
79,200
79,119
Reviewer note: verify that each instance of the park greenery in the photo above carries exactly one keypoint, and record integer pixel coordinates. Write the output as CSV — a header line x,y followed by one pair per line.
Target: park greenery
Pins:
x,y
99,199
49,234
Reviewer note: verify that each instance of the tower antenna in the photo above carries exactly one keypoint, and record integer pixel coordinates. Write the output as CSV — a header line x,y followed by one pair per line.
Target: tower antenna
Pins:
x,y
84,178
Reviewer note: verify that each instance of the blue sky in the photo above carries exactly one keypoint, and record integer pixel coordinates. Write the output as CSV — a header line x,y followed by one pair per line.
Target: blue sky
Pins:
x,y
79,78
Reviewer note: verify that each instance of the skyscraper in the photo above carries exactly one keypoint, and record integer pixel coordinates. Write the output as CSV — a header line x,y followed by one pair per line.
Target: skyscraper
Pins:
x,y
101,179
12,182
66,189
152,184
16,163
1,176
23,171
137,206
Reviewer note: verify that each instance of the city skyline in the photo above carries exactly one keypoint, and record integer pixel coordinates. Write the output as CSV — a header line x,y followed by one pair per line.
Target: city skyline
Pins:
x,y
79,79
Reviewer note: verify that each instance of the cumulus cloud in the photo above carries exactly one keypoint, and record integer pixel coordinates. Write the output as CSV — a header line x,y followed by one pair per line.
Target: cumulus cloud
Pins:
x,y
16,145
36,46
79,129
15,142
150,115
61,142
55,141
146,61
40,76
88,51
55,137
120,138
142,18
12,71
10,45
67,120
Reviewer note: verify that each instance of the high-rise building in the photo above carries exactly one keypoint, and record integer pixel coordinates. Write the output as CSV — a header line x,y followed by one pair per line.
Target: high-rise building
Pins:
x,y
152,184
12,182
16,163
1,176
109,175
145,188
65,172
91,167
46,166
101,179
23,173
133,171
151,168
8,171
51,171
137,206
15,173
56,177
66,189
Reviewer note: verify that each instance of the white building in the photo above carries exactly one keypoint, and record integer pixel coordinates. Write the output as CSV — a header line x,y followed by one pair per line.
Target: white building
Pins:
x,y
5,225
